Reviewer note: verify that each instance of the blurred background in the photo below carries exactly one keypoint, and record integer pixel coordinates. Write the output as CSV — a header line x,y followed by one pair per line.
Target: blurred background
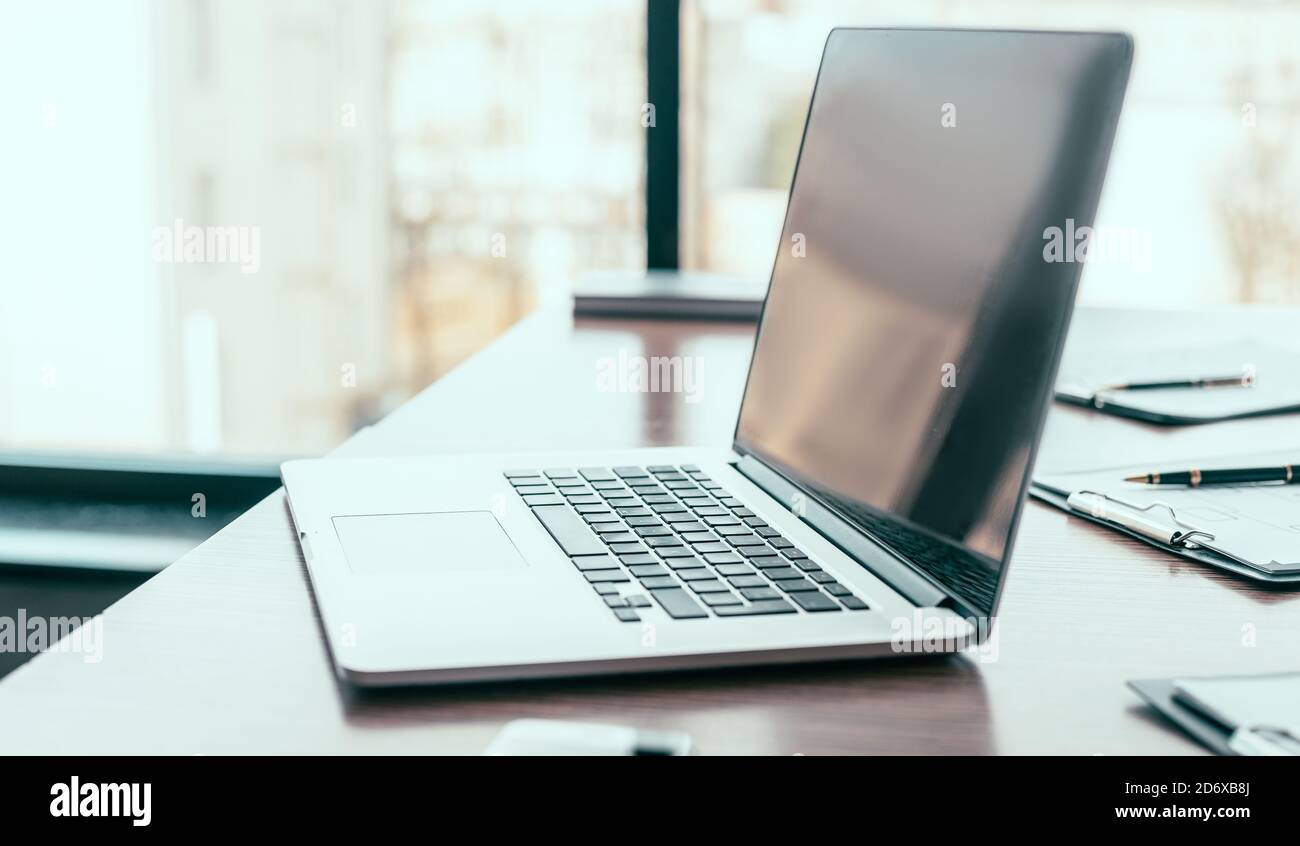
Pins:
x,y
420,174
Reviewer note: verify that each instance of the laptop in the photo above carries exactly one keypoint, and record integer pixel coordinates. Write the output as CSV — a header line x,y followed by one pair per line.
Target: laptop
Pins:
x,y
900,377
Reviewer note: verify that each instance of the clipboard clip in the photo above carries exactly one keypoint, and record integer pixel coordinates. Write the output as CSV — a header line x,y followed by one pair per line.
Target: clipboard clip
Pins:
x,y
1138,518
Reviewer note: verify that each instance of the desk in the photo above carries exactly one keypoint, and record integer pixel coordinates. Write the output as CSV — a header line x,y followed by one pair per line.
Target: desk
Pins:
x,y
222,653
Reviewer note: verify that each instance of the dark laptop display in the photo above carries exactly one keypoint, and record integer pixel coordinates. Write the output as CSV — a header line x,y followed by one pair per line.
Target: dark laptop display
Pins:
x,y
913,324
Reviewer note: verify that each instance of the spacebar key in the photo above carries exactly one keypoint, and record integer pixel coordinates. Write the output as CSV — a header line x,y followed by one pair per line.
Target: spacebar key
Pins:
x,y
569,531
678,603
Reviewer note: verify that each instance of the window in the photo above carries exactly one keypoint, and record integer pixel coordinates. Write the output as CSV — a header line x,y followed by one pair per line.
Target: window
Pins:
x,y
247,228
1204,167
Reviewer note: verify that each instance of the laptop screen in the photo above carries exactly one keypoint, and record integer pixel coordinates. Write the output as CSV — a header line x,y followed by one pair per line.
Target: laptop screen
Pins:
x,y
915,315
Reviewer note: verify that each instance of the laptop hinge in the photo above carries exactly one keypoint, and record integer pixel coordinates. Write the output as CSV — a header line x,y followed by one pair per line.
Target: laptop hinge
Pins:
x,y
916,588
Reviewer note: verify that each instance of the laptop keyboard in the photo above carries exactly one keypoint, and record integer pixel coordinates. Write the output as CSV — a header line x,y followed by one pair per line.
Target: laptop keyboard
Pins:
x,y
672,536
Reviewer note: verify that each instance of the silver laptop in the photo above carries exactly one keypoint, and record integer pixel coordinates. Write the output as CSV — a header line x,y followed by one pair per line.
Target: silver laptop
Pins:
x,y
900,377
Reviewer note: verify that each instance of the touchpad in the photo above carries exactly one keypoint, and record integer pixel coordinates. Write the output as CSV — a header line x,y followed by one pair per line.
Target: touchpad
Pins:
x,y
426,543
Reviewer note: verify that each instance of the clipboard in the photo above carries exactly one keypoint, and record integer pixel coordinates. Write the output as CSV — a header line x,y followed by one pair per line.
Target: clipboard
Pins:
x,y
1156,522
1275,384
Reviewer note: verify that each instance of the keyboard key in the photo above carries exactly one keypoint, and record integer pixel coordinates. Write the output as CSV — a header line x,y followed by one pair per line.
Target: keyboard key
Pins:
x,y
734,570
606,576
793,554
748,581
745,540
606,588
532,490
815,601
618,537
796,585
594,562
629,472
616,602
684,562
822,577
768,562
658,499
853,603
544,499
696,502
783,573
662,468
722,558
699,537
639,558
704,548
781,543
654,531
707,586
621,501
742,512
651,582
608,486
637,601
668,508
570,484
627,615
569,531
757,593
807,566
694,574
691,527
764,606
593,509
681,518
596,474
626,548
607,529
678,603
690,468
635,511
643,570
560,473
713,511
658,542
767,532
713,600
513,474
643,522
837,589
755,522
726,531
755,552
674,552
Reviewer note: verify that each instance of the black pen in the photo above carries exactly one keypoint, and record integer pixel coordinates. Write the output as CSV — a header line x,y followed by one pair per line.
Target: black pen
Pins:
x,y
1238,476
1245,379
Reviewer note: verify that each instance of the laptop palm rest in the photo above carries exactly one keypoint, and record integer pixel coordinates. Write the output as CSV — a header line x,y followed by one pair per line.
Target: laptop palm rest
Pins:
x,y
426,543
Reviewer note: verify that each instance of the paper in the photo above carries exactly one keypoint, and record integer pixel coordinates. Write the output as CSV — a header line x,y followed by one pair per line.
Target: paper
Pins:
x,y
1249,703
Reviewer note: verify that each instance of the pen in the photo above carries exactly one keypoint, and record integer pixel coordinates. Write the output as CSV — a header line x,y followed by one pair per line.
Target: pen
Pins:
x,y
1245,379
1238,476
